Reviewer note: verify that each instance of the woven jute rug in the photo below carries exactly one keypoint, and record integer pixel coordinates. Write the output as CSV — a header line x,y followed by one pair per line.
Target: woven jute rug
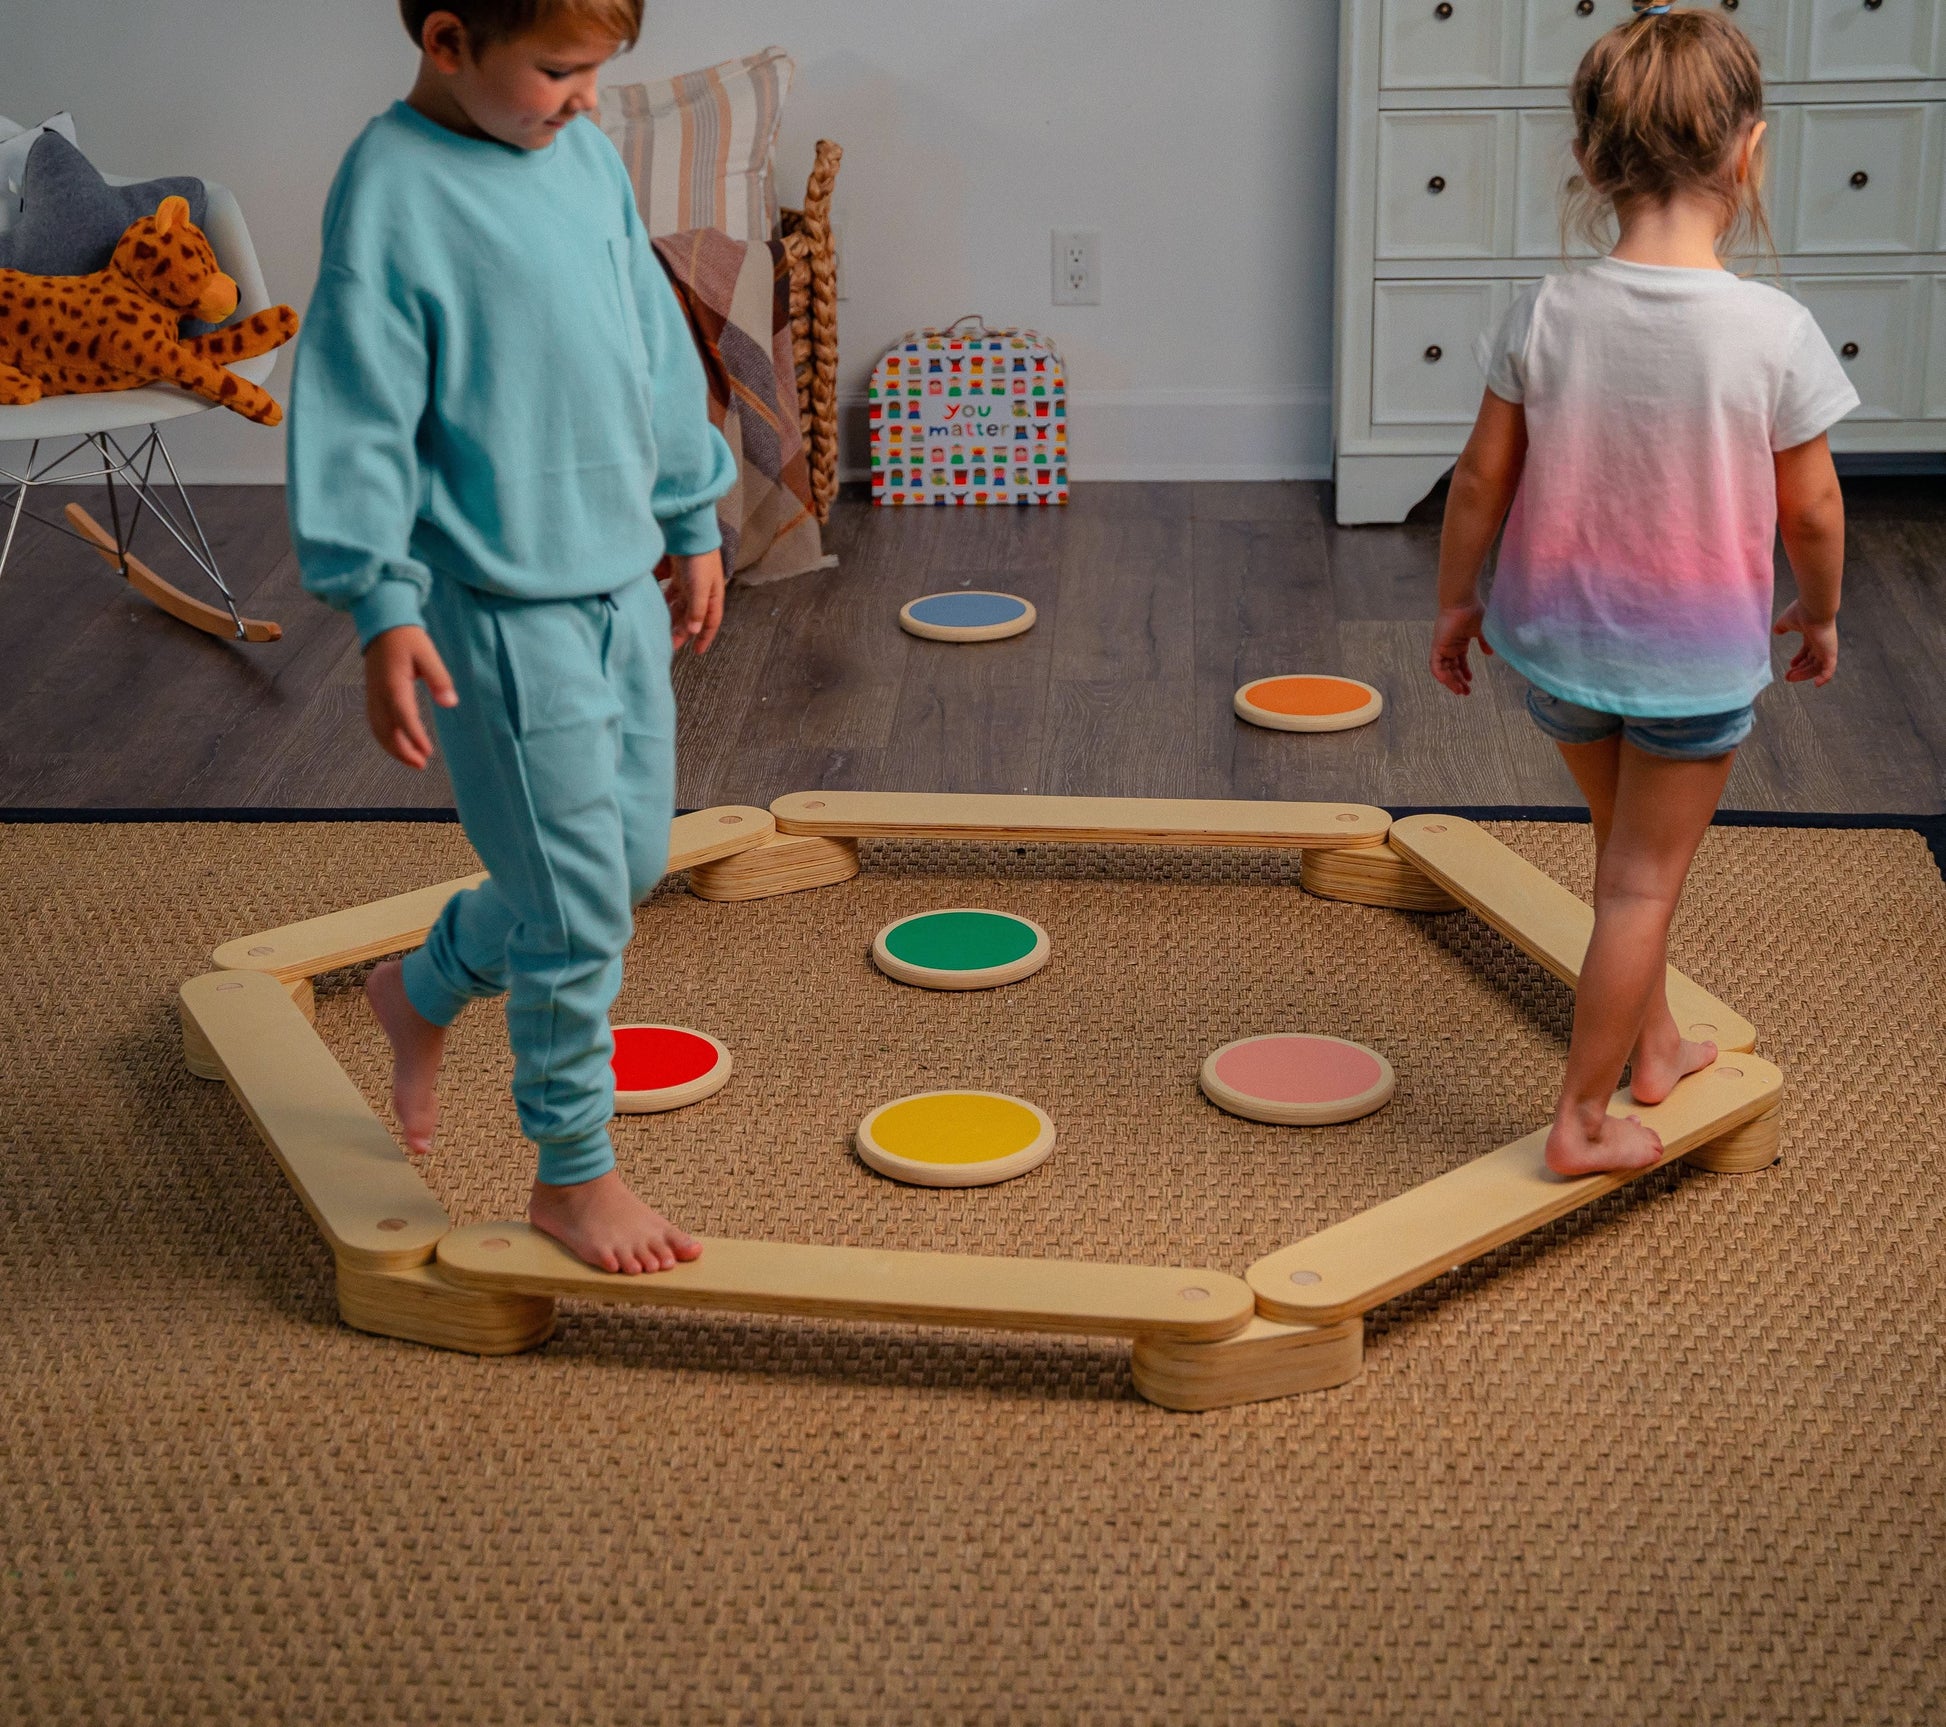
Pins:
x,y
1677,1457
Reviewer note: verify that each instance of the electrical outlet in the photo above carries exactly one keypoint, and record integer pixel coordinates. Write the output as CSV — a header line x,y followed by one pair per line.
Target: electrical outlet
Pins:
x,y
1077,267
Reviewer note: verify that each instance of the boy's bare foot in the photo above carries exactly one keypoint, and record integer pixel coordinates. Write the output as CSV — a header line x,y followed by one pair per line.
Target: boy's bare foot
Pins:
x,y
417,1049
1652,1073
603,1223
1574,1147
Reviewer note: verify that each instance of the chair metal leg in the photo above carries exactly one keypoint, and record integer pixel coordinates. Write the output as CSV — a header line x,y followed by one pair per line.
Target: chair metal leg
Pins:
x,y
20,498
135,469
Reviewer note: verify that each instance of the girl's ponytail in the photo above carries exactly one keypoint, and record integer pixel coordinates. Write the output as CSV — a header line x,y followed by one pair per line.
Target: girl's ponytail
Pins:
x,y
1662,104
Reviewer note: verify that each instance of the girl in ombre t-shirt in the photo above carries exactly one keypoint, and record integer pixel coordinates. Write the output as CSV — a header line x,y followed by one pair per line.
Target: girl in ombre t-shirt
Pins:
x,y
1650,423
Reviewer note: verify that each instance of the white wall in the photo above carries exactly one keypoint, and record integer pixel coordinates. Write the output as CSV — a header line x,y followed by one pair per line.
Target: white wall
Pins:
x,y
1196,135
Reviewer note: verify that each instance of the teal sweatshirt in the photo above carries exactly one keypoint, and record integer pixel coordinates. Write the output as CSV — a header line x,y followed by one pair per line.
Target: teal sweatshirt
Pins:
x,y
494,380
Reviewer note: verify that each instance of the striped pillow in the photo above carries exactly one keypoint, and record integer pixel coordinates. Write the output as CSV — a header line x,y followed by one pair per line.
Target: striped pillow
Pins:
x,y
698,147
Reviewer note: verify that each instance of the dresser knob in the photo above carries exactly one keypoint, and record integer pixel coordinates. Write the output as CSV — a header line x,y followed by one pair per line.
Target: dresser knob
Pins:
x,y
1444,9
1729,5
1861,178
1435,353
1850,349
1584,7
1873,5
1436,184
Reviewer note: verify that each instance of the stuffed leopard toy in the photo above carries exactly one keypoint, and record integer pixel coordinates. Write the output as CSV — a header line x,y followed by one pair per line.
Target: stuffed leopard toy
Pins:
x,y
121,327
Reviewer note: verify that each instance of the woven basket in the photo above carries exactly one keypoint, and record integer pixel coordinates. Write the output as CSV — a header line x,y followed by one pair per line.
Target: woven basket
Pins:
x,y
813,259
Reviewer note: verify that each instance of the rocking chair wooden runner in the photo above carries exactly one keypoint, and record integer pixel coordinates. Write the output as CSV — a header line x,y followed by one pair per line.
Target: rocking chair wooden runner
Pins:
x,y
119,433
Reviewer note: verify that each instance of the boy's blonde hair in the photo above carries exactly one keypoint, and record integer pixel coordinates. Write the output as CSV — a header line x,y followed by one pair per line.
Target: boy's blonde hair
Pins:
x,y
1661,105
489,21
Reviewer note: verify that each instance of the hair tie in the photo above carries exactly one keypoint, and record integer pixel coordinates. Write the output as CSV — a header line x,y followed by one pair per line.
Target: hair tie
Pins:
x,y
1656,11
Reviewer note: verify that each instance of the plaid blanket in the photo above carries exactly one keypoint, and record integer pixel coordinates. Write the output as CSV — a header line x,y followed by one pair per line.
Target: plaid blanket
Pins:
x,y
737,296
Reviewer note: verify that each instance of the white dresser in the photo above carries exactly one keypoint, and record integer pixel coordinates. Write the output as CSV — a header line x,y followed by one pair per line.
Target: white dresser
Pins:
x,y
1453,145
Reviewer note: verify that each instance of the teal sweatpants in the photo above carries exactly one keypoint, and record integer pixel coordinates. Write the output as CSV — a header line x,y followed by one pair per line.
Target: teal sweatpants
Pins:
x,y
562,753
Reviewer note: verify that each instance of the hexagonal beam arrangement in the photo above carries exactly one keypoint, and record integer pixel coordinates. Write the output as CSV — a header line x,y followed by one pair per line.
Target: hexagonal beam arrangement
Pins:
x,y
1202,1338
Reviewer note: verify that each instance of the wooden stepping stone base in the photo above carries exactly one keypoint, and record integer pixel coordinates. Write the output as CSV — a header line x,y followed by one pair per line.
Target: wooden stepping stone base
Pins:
x,y
955,1138
967,615
1263,1360
784,863
1756,1145
421,1305
962,947
1307,702
1298,1079
1372,875
660,1067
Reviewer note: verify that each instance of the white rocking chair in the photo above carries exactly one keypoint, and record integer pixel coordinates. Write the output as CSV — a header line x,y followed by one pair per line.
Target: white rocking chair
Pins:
x,y
86,428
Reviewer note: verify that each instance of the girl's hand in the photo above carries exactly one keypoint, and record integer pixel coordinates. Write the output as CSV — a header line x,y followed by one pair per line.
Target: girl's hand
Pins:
x,y
694,590
1817,659
394,662
1455,627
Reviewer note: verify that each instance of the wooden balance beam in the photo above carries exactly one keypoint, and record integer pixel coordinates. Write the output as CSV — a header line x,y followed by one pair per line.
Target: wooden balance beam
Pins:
x,y
1351,1267
363,932
1114,821
1536,913
1192,1304
361,1192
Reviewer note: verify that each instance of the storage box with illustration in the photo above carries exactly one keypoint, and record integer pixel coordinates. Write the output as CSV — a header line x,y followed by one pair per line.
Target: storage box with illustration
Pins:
x,y
969,415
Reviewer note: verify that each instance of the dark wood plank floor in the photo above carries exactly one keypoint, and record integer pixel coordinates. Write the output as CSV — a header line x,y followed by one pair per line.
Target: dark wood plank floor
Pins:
x,y
1155,602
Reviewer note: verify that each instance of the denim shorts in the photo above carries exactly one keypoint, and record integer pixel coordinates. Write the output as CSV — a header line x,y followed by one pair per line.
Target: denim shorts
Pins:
x,y
1695,739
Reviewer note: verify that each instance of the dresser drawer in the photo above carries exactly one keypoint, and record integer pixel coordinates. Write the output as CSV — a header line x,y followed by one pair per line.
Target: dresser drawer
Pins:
x,y
1859,180
1869,321
1556,33
1871,38
1423,369
1935,402
1437,180
1768,25
1543,161
1442,44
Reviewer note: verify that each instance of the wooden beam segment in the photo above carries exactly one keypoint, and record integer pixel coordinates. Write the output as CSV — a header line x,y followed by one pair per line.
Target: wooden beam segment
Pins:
x,y
1126,821
871,1283
1353,1266
1535,912
354,1181
385,926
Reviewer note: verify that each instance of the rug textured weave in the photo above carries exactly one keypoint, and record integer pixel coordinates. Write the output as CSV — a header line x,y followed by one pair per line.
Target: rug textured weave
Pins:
x,y
1675,1457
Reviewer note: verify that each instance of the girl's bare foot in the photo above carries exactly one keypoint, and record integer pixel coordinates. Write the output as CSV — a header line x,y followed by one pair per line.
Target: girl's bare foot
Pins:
x,y
417,1049
1652,1073
604,1224
1578,1146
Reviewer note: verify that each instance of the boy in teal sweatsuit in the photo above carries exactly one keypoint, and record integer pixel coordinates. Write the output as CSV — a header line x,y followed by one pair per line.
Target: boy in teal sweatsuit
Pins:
x,y
498,426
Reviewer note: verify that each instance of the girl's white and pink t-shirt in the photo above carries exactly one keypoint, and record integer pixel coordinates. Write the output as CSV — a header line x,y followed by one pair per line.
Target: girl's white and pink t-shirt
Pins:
x,y
1634,574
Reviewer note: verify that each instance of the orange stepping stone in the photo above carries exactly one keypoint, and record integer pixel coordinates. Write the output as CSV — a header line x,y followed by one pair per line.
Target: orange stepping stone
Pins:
x,y
1308,702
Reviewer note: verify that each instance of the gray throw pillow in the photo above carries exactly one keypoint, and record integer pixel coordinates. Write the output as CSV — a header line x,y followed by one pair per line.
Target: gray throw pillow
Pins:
x,y
72,218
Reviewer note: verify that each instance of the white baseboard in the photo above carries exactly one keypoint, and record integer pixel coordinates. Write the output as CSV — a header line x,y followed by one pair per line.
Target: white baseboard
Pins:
x,y
1167,435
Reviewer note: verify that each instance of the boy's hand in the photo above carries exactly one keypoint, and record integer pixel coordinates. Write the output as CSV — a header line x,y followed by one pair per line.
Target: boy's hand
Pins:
x,y
394,662
1817,659
1455,628
694,590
